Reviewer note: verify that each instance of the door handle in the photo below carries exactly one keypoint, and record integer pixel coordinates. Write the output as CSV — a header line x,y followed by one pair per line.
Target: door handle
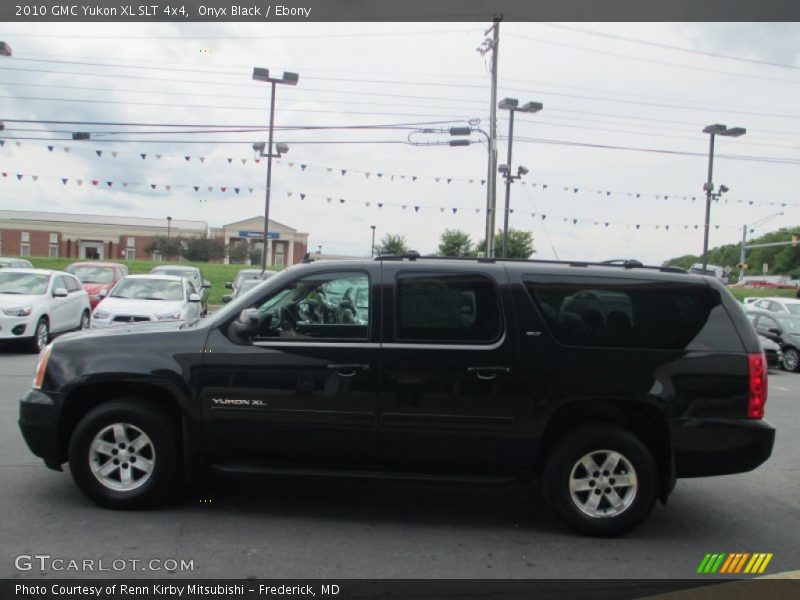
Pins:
x,y
348,370
488,373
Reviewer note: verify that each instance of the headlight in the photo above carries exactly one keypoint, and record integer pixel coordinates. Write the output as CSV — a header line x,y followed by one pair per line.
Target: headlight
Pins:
x,y
169,316
18,311
42,367
101,314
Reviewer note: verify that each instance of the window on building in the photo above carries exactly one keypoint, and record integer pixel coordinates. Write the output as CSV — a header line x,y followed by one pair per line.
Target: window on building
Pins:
x,y
53,252
157,256
24,250
26,237
131,242
130,254
447,307
53,238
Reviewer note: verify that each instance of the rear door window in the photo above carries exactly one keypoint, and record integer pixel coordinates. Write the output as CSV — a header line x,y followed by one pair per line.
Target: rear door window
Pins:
x,y
634,314
447,307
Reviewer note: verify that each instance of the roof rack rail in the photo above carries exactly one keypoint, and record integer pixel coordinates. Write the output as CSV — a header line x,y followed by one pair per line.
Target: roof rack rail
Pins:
x,y
621,263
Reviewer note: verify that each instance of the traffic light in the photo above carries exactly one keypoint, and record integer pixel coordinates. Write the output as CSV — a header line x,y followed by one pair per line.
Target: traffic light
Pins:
x,y
743,266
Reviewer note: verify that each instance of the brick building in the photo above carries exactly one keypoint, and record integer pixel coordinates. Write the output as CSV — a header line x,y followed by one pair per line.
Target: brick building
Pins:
x,y
102,237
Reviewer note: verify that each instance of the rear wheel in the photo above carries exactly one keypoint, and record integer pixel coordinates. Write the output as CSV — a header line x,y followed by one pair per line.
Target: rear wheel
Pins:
x,y
85,320
601,480
124,454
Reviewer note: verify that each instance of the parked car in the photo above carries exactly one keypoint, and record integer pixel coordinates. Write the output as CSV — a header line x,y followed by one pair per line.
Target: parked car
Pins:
x,y
458,370
193,274
245,285
15,263
719,273
781,328
787,306
97,277
37,304
245,274
140,298
772,352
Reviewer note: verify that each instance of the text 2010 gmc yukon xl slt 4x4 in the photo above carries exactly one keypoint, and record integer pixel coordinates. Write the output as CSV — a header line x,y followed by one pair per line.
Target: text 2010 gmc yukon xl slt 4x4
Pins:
x,y
604,381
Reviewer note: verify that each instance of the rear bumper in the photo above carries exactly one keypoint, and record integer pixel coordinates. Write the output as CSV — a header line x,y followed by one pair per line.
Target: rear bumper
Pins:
x,y
704,447
38,422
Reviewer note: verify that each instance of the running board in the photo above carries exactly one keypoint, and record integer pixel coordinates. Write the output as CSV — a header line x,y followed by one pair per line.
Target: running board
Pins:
x,y
245,469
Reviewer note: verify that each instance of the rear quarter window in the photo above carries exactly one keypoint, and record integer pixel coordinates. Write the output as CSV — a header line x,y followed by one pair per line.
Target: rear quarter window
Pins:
x,y
635,314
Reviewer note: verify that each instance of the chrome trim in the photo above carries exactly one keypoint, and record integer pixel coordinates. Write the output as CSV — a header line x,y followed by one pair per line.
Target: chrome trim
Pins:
x,y
269,344
403,346
375,346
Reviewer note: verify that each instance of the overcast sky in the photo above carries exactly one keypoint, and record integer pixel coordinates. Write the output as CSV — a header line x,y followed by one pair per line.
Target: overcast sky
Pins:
x,y
597,90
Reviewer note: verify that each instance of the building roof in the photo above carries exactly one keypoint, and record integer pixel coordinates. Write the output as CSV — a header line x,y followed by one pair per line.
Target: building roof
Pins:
x,y
53,217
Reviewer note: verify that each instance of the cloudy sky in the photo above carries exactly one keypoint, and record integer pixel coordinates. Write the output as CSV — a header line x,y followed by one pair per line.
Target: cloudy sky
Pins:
x,y
617,158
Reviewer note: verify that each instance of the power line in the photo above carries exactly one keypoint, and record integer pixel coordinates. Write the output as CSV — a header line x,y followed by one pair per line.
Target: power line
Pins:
x,y
128,124
670,47
232,37
651,60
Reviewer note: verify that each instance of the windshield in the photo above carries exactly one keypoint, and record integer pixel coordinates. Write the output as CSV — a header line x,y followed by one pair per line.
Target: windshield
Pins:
x,y
188,273
245,275
793,309
789,324
148,289
91,274
24,283
247,285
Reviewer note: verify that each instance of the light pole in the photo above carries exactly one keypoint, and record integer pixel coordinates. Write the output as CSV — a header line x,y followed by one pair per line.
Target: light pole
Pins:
x,y
372,252
713,131
512,106
287,79
169,227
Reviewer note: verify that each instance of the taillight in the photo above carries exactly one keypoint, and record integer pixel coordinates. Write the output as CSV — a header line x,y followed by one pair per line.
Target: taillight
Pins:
x,y
757,365
41,367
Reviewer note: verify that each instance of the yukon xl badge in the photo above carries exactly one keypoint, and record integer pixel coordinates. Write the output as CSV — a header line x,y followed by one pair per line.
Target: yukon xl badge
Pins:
x,y
237,402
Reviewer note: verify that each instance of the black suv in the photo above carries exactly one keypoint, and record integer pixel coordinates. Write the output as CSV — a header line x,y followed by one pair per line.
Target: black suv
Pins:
x,y
606,381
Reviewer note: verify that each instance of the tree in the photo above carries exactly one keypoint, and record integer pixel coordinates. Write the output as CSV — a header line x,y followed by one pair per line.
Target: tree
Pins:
x,y
167,247
204,249
238,251
520,244
455,242
391,244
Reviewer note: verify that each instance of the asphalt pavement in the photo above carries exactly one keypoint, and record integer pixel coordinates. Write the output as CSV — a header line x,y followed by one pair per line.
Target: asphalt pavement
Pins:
x,y
302,528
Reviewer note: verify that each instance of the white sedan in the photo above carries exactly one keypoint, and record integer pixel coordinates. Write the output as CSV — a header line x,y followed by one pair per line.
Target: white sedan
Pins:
x,y
35,304
145,298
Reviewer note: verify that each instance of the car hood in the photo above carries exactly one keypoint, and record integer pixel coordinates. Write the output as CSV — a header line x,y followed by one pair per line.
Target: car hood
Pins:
x,y
768,344
138,307
124,329
95,288
13,300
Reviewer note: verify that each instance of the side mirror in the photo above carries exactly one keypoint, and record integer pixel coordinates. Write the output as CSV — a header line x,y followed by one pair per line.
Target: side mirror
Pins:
x,y
226,298
60,293
194,297
247,325
206,283
774,330
103,293
229,285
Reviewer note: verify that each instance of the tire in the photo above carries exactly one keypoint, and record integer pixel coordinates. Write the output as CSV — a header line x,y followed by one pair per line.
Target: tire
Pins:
x,y
143,440
41,335
791,359
567,469
86,321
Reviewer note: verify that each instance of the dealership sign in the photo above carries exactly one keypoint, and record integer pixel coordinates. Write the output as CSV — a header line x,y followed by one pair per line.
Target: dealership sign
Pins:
x,y
246,233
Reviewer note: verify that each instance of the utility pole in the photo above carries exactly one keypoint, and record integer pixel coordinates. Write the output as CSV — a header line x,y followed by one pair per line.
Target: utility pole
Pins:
x,y
492,45
742,254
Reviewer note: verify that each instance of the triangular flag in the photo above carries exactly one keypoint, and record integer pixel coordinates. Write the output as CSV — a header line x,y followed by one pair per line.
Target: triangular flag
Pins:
x,y
303,167
99,153
50,148
223,188
19,176
330,169
414,178
66,149
64,180
416,209
35,177
344,171
153,185
114,153
236,190
124,184
380,174
289,194
250,190
544,217
109,183
143,156
94,182
230,160
341,200
168,187
455,210
158,156
328,200
367,174
483,181
302,196
380,205
202,159
197,188
188,158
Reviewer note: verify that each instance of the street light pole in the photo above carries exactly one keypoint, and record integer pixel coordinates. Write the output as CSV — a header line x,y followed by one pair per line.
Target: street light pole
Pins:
x,y
289,79
372,252
708,186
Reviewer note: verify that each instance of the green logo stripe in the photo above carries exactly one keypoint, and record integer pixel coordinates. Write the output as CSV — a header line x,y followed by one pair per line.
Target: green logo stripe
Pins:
x,y
715,567
701,568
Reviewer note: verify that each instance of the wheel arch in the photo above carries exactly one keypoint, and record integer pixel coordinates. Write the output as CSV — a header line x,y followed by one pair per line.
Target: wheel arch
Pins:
x,y
643,420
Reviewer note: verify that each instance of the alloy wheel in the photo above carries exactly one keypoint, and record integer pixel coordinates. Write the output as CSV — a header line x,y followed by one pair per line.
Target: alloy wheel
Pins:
x,y
122,457
603,483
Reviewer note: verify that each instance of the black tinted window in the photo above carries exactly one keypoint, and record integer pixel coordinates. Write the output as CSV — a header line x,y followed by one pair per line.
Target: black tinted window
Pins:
x,y
635,315
447,307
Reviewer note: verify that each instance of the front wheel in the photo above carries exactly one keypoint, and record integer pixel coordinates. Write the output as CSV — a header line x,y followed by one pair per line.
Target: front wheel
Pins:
x,y
41,336
124,454
601,480
791,359
86,320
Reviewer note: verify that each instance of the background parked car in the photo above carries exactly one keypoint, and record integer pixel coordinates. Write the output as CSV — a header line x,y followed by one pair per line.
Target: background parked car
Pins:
x,y
139,298
194,275
37,303
97,277
17,263
245,285
772,352
790,306
246,274
782,329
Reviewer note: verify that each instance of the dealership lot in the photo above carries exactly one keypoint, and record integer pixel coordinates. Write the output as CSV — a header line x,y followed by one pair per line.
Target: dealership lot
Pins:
x,y
327,529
